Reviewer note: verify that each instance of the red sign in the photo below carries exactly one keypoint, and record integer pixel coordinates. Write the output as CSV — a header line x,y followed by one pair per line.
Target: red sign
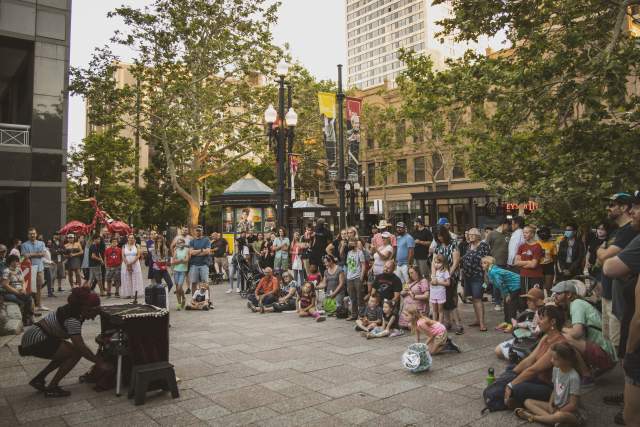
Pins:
x,y
529,206
354,106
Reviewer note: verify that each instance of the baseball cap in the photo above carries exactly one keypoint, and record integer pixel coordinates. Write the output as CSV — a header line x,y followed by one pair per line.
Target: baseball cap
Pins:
x,y
386,234
565,286
534,294
443,221
400,225
622,198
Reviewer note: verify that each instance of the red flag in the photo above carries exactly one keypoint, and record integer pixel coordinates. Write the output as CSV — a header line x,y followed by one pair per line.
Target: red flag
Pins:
x,y
354,106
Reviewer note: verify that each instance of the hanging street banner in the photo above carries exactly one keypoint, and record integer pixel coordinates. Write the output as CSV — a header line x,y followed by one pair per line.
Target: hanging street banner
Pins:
x,y
354,107
327,102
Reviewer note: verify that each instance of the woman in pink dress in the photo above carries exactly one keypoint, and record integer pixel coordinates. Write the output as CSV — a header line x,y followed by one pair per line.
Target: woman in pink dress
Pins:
x,y
131,273
415,293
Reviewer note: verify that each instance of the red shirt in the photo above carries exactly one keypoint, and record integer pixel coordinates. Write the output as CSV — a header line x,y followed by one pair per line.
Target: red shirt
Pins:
x,y
113,256
529,252
268,286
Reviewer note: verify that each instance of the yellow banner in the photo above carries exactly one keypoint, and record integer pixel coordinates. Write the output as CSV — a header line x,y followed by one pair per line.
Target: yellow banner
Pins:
x,y
327,101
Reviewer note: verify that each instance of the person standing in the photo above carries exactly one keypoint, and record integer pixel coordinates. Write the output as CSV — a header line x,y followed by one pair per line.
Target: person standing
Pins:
x,y
131,272
571,254
448,248
321,239
338,249
498,241
199,250
281,248
57,256
73,253
528,260
296,259
95,265
404,252
549,257
474,274
34,250
356,270
422,239
515,241
113,261
220,248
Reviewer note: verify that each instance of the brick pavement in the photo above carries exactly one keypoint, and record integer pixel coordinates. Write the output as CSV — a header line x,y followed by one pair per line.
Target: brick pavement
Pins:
x,y
241,368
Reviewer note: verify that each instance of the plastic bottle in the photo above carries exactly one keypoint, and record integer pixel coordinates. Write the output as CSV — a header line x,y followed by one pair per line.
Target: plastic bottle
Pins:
x,y
491,377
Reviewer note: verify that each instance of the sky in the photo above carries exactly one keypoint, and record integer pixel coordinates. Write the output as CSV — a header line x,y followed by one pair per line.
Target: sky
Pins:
x,y
302,24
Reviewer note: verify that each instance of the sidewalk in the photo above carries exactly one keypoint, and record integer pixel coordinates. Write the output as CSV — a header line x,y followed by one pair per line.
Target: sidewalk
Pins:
x,y
241,368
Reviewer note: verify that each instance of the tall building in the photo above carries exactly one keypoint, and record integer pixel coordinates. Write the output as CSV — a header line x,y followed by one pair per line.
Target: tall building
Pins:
x,y
34,65
377,29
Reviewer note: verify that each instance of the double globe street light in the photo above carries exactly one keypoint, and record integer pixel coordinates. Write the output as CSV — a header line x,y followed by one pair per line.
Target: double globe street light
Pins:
x,y
284,135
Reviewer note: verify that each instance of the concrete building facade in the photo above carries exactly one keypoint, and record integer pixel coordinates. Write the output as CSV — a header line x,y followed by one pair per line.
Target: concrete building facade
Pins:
x,y
34,69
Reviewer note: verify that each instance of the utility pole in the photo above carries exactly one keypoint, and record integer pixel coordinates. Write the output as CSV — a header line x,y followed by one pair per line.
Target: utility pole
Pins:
x,y
341,179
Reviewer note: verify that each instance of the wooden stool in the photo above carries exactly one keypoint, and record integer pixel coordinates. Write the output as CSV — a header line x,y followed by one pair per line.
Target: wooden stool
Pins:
x,y
152,376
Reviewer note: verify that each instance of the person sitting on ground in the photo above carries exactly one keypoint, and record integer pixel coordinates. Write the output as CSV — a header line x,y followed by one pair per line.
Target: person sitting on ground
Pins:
x,y
585,332
562,407
526,325
438,340
370,316
389,327
508,284
533,373
306,303
47,339
288,292
266,292
200,298
13,288
387,285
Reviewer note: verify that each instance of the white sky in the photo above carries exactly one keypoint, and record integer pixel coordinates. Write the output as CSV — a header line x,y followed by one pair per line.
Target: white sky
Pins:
x,y
314,29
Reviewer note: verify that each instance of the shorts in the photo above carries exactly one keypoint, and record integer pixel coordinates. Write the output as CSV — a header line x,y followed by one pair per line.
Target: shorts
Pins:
x,y
95,273
440,339
402,271
527,283
199,273
37,268
113,275
44,349
548,269
631,366
178,277
596,358
473,287
438,295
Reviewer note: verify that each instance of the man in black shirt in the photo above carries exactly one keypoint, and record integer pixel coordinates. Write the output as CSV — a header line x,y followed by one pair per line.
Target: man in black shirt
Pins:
x,y
322,237
422,238
387,285
220,249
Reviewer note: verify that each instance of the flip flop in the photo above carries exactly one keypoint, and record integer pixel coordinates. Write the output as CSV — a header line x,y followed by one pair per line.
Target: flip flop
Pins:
x,y
524,415
483,329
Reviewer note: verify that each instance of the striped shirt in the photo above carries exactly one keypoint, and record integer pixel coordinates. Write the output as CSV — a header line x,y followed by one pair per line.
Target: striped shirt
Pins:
x,y
37,334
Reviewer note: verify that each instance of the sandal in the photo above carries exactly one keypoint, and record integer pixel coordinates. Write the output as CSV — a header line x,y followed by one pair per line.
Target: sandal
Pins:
x,y
524,415
483,329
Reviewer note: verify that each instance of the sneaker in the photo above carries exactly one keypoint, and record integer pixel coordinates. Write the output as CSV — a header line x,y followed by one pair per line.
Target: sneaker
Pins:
x,y
501,326
228,291
178,307
59,289
460,331
238,291
38,384
508,329
56,391
320,319
614,399
497,307
251,307
453,346
42,308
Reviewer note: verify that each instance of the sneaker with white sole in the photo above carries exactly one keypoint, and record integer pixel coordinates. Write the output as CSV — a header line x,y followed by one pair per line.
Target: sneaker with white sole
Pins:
x,y
238,291
498,307
228,291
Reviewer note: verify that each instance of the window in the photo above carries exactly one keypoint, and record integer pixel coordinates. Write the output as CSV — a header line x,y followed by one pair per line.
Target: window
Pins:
x,y
458,171
419,169
401,169
401,132
369,142
437,167
384,169
371,173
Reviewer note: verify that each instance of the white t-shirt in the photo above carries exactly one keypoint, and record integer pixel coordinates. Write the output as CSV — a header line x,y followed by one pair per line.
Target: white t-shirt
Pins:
x,y
516,239
378,262
200,295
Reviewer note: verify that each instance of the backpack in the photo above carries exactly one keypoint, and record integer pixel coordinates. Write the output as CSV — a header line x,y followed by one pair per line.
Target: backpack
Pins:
x,y
342,312
493,395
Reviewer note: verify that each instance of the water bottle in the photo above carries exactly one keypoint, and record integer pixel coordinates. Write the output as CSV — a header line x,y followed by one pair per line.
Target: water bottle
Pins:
x,y
491,377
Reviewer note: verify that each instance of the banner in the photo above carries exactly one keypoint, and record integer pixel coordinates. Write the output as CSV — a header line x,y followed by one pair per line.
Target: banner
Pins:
x,y
354,107
329,131
294,162
327,101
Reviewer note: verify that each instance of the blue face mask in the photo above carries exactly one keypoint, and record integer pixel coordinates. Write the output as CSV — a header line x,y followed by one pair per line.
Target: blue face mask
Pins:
x,y
569,234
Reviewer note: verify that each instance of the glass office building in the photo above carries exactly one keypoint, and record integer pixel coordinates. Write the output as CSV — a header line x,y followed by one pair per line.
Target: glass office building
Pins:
x,y
34,65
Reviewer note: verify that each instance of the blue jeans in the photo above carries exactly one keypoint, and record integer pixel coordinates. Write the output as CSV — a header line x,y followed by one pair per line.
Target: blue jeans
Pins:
x,y
23,301
267,300
532,389
199,274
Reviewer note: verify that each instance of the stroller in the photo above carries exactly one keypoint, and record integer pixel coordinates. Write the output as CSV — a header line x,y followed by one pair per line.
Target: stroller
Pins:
x,y
249,274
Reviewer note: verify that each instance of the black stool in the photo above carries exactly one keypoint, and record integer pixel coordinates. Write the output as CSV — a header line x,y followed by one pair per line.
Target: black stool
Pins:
x,y
152,376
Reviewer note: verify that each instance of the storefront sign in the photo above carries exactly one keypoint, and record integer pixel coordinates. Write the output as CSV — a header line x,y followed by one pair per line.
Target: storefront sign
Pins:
x,y
529,206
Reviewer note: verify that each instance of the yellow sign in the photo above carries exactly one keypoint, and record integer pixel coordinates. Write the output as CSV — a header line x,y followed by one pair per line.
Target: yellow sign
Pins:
x,y
327,101
229,237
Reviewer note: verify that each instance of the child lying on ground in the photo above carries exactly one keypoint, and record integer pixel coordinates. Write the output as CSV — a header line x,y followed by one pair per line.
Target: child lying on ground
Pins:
x,y
200,298
389,323
307,303
370,317
437,339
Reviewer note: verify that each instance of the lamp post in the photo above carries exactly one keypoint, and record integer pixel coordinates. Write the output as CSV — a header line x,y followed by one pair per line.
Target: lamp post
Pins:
x,y
340,181
284,134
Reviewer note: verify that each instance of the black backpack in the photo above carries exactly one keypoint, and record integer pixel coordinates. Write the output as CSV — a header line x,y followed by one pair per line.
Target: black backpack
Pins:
x,y
493,395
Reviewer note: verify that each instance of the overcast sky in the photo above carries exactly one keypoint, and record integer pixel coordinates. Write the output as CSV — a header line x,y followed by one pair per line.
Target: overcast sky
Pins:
x,y
302,23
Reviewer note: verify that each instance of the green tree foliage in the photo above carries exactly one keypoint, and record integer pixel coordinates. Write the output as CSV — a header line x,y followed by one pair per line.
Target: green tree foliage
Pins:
x,y
554,116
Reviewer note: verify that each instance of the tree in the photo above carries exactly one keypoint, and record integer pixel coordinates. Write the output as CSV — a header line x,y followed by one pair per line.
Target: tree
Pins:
x,y
555,116
197,66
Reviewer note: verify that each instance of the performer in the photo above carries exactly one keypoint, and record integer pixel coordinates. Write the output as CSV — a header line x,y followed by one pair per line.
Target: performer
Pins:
x,y
47,339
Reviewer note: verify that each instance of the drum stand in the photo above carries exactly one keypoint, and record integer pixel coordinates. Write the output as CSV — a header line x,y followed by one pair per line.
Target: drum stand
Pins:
x,y
119,341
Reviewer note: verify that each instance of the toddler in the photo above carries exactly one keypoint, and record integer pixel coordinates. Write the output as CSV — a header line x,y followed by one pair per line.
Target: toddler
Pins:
x,y
370,317
200,298
389,323
307,303
437,338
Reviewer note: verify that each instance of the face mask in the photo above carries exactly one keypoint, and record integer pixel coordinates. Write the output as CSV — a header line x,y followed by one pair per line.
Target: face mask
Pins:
x,y
569,234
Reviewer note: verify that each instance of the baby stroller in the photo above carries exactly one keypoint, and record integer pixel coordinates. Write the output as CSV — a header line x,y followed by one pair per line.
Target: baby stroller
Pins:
x,y
249,275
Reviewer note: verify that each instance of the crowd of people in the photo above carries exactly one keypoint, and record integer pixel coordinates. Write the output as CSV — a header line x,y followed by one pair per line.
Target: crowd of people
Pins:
x,y
396,280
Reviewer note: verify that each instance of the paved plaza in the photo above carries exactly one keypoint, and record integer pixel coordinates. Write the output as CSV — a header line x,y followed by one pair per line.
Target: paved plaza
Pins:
x,y
241,368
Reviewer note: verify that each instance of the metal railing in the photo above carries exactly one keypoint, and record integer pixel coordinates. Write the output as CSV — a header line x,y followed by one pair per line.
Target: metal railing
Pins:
x,y
12,134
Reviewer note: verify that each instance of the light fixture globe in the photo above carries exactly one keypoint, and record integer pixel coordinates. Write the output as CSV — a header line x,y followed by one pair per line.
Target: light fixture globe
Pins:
x,y
282,68
356,186
347,186
270,114
291,117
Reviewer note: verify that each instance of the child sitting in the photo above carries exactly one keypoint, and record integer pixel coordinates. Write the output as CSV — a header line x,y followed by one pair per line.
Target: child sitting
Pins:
x,y
307,303
562,407
200,298
525,326
389,323
370,317
437,339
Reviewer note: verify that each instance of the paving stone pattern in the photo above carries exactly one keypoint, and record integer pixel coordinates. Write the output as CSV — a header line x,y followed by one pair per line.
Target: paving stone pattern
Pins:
x,y
240,368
